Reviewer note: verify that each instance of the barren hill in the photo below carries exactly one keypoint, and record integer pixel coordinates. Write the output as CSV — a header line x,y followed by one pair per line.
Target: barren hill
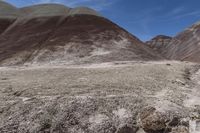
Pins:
x,y
110,84
185,46
8,14
56,34
158,42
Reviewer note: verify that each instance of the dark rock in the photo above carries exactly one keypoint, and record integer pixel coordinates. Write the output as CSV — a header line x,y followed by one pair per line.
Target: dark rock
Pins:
x,y
180,129
153,121
127,129
174,122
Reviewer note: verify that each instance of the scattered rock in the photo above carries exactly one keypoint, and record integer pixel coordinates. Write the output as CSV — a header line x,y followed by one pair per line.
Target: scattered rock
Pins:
x,y
127,129
185,122
153,121
179,82
7,89
174,122
180,129
4,78
18,93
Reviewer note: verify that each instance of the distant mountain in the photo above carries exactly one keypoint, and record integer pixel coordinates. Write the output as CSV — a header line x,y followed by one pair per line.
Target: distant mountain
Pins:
x,y
185,46
158,42
56,34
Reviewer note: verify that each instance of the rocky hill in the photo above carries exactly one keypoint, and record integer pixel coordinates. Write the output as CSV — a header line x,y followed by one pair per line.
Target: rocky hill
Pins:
x,y
185,46
111,84
158,42
56,34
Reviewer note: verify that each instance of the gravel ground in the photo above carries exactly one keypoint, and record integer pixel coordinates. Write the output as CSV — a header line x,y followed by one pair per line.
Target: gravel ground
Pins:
x,y
97,98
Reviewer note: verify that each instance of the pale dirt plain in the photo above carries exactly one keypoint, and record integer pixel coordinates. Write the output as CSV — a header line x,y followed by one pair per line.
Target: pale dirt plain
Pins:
x,y
95,98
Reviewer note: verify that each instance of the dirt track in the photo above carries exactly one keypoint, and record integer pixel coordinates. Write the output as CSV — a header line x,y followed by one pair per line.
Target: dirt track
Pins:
x,y
94,98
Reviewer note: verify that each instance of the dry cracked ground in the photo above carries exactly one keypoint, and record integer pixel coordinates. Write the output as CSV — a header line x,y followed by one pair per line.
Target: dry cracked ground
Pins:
x,y
116,97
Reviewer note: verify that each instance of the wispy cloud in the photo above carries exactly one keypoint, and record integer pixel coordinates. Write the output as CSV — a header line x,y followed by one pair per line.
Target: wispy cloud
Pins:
x,y
187,14
179,13
95,4
177,10
142,20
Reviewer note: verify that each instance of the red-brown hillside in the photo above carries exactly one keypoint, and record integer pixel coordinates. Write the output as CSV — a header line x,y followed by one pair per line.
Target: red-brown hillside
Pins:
x,y
41,35
185,46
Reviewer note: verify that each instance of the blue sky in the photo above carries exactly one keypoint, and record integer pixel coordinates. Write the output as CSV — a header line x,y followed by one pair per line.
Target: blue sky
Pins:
x,y
143,18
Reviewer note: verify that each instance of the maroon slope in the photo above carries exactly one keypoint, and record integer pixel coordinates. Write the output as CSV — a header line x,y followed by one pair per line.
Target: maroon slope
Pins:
x,y
68,36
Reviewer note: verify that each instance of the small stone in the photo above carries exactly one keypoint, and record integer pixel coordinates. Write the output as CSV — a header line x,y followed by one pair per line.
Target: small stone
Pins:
x,y
127,129
174,122
180,129
8,89
153,121
4,78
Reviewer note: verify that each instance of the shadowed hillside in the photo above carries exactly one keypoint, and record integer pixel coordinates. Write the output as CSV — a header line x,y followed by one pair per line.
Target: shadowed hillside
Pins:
x,y
158,42
55,34
185,46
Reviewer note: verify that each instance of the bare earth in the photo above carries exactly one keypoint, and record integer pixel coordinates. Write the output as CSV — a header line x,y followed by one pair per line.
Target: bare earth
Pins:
x,y
96,98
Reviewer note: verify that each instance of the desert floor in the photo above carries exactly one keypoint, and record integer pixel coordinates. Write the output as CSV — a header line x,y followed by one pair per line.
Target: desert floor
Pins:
x,y
94,98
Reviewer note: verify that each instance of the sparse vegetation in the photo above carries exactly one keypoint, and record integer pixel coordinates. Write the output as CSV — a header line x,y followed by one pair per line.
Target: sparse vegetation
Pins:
x,y
93,98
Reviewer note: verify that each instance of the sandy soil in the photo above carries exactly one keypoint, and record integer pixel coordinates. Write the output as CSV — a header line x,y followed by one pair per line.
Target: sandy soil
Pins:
x,y
94,98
